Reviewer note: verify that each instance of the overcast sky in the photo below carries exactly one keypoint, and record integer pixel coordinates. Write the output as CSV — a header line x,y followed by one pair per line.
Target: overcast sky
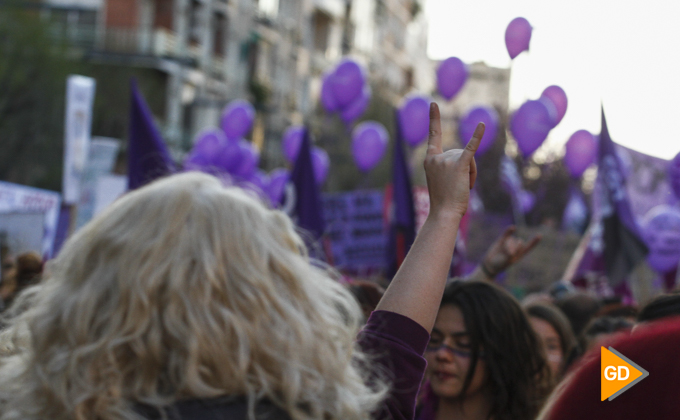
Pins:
x,y
625,54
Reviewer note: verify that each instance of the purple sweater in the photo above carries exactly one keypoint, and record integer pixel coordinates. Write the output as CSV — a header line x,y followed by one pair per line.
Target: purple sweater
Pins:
x,y
395,342
398,343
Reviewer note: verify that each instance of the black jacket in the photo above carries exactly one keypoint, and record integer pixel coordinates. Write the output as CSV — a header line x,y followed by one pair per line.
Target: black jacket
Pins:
x,y
215,409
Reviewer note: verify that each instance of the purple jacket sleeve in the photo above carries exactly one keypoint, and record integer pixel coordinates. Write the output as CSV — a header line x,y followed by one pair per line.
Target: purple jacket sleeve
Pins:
x,y
396,344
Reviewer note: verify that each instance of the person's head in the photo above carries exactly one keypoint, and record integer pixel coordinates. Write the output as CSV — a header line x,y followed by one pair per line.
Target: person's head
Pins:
x,y
601,330
8,265
186,289
26,272
556,335
367,294
579,309
28,269
653,348
662,306
8,281
483,343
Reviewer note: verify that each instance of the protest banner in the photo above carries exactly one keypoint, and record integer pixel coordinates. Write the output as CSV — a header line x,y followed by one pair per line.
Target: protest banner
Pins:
x,y
102,156
355,226
79,100
16,198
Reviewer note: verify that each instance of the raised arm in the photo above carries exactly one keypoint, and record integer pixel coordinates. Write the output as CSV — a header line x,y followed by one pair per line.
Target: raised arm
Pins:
x,y
417,288
504,252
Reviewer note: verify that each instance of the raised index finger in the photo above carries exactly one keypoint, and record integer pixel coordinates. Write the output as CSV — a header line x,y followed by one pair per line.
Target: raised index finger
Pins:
x,y
469,151
434,141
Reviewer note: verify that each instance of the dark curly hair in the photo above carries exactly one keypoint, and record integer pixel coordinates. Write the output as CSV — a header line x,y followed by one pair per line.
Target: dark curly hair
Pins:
x,y
517,373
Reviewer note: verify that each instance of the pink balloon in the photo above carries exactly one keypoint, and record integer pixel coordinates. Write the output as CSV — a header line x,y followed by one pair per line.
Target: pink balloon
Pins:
x,y
452,74
369,144
674,174
557,96
348,80
292,139
414,119
517,36
661,232
321,164
581,152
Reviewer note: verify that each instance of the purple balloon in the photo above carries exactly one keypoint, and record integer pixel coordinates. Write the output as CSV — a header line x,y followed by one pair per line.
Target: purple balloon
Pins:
x,y
517,36
327,95
451,76
321,164
259,179
347,82
292,139
277,185
662,235
237,119
358,107
194,162
206,151
674,174
414,119
581,152
530,126
369,144
556,95
249,158
484,114
230,155
552,110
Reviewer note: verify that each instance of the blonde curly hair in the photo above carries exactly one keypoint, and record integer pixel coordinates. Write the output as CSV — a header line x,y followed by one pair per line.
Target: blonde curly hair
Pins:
x,y
185,289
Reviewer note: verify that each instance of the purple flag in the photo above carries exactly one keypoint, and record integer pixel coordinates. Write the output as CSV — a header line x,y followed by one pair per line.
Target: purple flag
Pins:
x,y
307,207
63,225
615,246
148,157
401,210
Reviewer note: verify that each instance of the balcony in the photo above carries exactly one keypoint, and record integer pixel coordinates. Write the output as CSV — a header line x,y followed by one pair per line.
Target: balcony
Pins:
x,y
152,43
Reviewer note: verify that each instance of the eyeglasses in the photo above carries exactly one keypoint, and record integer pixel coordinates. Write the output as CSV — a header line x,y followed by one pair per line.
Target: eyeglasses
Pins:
x,y
433,347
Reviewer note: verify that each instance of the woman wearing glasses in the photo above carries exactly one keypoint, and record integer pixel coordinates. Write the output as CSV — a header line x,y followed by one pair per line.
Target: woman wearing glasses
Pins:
x,y
484,360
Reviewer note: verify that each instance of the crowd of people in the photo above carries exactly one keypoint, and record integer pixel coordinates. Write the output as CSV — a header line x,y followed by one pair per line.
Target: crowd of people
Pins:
x,y
188,300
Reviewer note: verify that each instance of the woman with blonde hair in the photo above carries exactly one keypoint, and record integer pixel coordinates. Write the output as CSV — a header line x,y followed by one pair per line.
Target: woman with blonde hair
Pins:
x,y
188,300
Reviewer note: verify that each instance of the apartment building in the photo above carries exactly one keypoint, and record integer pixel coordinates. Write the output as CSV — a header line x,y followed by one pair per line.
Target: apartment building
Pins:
x,y
272,52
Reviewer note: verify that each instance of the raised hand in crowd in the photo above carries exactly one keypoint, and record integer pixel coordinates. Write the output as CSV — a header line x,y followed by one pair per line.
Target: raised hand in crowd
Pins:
x,y
507,250
417,288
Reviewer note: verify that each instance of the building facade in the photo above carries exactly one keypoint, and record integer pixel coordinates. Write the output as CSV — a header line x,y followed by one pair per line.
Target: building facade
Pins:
x,y
271,52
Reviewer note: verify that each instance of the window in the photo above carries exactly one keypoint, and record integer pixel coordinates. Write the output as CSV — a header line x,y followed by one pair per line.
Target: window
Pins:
x,y
220,34
322,25
195,22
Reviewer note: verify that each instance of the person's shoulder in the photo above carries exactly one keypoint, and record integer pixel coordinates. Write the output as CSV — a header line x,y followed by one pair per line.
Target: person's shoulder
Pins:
x,y
223,408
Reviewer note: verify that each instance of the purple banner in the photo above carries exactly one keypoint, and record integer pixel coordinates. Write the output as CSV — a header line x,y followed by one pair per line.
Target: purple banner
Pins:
x,y
355,226
647,181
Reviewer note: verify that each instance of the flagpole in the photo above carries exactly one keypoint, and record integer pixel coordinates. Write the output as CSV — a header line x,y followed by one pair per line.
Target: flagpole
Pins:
x,y
576,257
